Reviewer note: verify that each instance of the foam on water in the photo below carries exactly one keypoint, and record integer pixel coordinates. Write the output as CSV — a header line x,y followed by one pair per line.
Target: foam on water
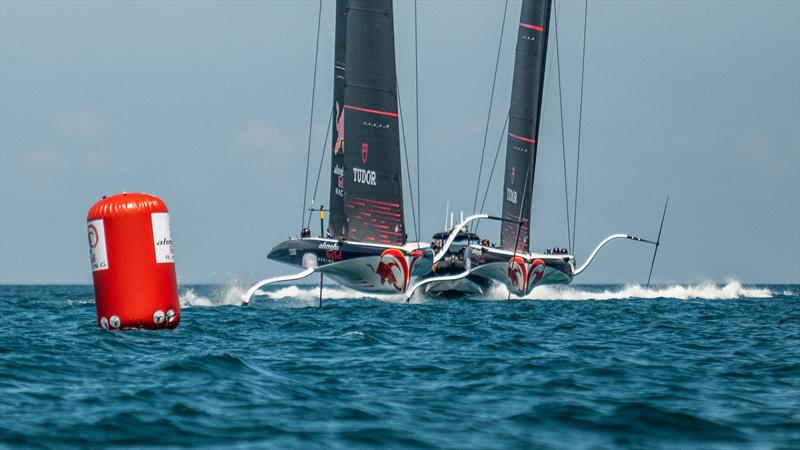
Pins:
x,y
706,291
307,295
311,293
80,301
232,296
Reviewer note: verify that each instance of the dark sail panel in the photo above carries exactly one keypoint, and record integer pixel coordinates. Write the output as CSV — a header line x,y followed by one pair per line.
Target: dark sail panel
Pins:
x,y
523,123
373,197
337,223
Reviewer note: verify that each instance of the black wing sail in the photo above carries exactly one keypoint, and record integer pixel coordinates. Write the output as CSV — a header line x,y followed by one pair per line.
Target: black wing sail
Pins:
x,y
373,197
337,223
523,123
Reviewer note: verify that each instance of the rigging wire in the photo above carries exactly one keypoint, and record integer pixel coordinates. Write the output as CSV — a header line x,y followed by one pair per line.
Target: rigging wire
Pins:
x,y
503,135
563,143
416,110
580,121
489,112
319,170
497,152
408,168
311,119
491,173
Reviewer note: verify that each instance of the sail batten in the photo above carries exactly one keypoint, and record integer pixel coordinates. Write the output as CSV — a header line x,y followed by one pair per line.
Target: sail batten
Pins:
x,y
523,124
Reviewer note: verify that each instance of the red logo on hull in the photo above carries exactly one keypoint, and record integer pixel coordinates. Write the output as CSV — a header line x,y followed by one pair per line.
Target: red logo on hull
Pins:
x,y
536,272
518,274
364,152
525,277
392,265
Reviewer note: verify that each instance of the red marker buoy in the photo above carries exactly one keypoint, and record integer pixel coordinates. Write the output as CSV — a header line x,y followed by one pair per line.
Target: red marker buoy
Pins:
x,y
130,246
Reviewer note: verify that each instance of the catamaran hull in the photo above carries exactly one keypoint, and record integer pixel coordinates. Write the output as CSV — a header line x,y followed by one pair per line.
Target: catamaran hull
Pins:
x,y
521,273
482,278
365,267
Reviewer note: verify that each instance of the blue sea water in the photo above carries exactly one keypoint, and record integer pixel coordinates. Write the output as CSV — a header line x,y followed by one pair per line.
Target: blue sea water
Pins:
x,y
581,367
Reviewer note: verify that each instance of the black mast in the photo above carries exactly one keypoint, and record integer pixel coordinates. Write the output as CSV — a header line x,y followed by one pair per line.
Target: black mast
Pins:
x,y
337,222
523,123
373,197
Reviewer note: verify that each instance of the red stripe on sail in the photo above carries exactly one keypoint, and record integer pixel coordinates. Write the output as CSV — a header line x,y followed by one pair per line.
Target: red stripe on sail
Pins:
x,y
373,111
532,27
385,213
396,205
532,141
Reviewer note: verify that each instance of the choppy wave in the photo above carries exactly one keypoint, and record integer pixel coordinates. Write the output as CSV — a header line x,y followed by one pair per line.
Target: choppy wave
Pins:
x,y
80,301
231,295
707,291
304,294
308,295
543,374
328,292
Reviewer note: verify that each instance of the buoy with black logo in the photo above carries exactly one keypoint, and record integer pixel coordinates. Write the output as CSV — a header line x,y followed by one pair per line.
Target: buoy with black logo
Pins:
x,y
130,246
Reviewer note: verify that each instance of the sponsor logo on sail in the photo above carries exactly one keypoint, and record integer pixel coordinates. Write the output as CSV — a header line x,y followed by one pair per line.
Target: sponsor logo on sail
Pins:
x,y
364,176
364,152
339,171
338,148
511,195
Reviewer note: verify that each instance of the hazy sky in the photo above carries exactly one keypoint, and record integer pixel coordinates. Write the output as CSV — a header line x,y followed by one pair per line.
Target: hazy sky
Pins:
x,y
206,105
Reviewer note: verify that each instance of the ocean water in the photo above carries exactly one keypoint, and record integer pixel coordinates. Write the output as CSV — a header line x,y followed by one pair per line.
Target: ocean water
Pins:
x,y
582,367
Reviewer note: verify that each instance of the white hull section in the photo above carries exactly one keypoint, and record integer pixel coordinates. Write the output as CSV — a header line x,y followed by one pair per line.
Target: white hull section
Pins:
x,y
371,274
499,273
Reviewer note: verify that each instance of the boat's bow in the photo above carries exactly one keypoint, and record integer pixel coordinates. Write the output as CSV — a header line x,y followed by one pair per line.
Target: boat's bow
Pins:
x,y
521,272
